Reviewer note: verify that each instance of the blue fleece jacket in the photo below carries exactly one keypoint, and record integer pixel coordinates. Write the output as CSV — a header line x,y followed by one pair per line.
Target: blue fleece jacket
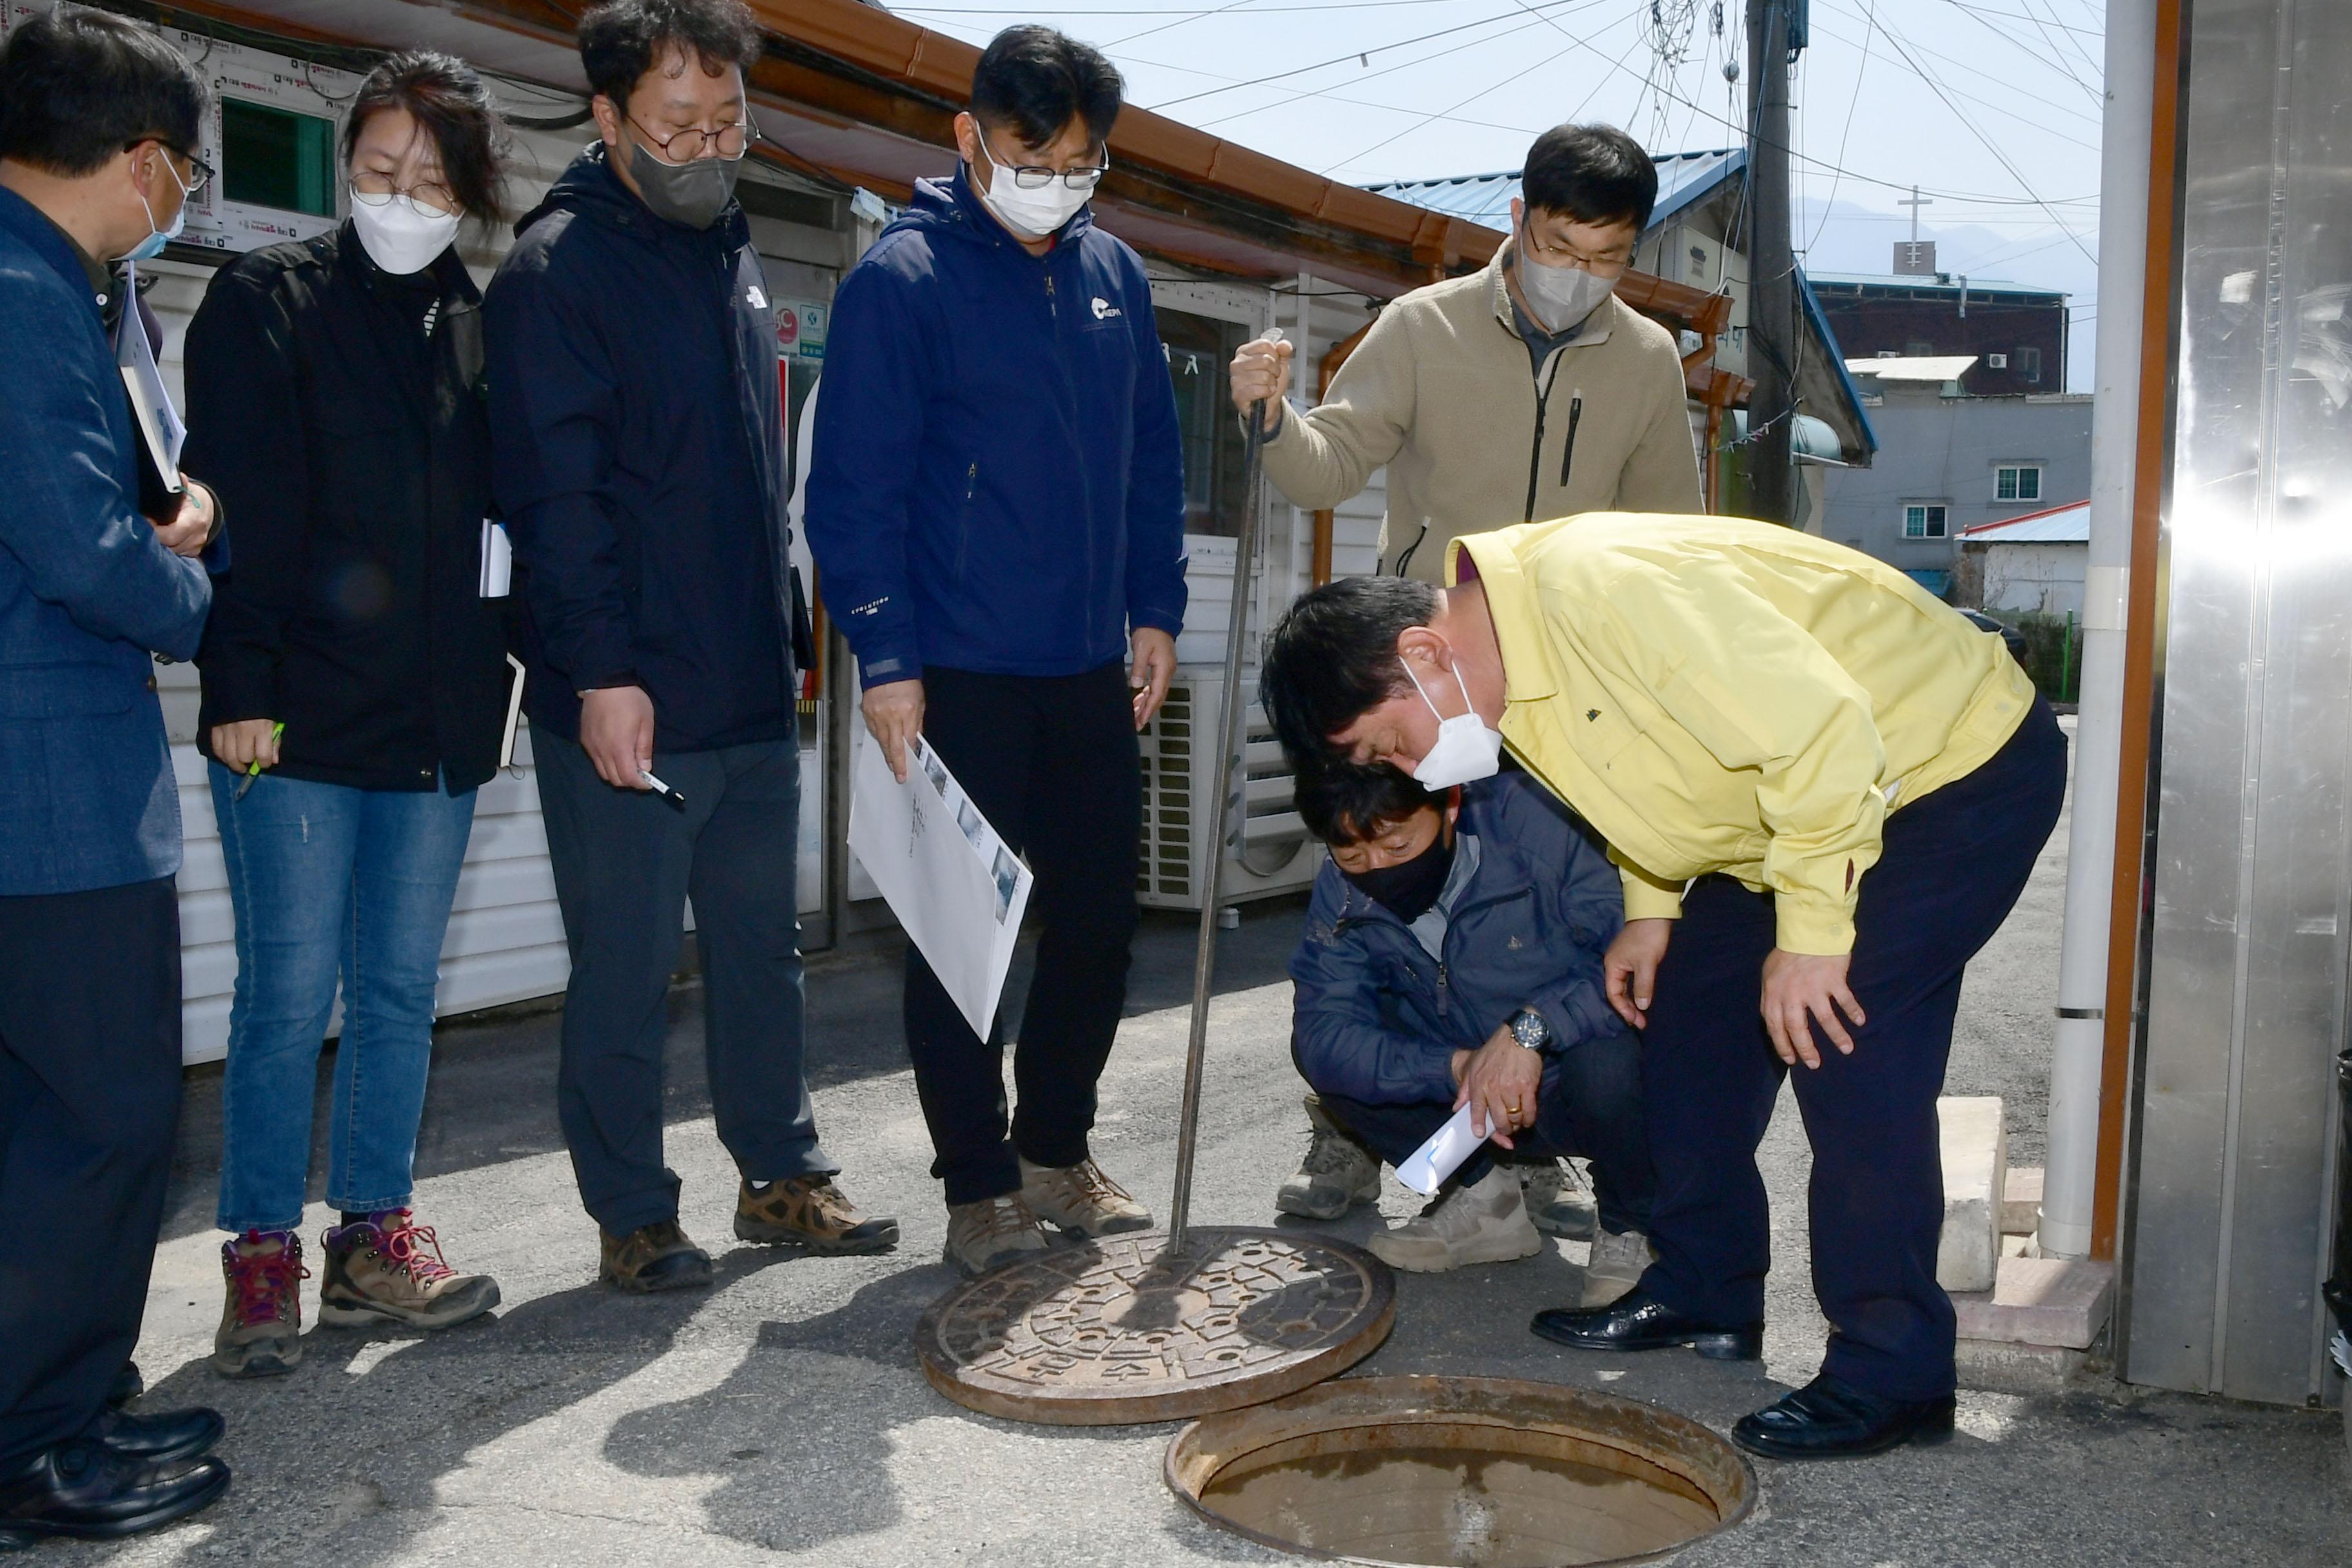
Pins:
x,y
1378,1019
998,482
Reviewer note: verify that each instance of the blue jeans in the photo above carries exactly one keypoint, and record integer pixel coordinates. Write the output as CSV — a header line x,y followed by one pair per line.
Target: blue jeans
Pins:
x,y
329,884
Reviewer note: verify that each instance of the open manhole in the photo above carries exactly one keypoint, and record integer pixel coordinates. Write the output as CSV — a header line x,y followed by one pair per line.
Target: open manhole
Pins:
x,y
1461,1472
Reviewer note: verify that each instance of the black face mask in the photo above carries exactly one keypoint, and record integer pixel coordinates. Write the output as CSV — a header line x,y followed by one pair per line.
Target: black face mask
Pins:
x,y
1409,888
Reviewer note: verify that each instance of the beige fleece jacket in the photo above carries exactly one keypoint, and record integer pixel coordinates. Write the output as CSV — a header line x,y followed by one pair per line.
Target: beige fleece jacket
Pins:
x,y
1442,391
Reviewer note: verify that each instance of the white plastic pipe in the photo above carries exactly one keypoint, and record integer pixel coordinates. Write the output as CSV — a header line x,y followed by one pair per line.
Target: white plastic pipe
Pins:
x,y
2071,1177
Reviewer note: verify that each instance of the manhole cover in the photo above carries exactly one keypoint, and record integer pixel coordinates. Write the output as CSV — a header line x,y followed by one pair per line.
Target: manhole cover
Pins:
x,y
1114,1332
1461,1472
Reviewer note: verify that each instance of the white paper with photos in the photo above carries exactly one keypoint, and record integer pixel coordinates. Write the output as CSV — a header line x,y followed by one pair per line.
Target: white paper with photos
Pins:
x,y
954,885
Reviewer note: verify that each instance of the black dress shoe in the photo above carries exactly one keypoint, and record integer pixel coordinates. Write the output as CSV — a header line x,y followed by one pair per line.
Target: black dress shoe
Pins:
x,y
128,1386
173,1434
1830,1419
1636,1321
91,1493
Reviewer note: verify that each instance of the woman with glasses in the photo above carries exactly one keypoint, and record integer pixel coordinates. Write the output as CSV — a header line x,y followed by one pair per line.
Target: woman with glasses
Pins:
x,y
353,676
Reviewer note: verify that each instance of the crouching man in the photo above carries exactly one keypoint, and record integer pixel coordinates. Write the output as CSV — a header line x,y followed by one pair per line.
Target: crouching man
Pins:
x,y
1453,955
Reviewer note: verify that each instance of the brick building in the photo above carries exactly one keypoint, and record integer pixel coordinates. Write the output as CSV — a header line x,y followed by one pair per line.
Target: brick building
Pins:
x,y
2016,332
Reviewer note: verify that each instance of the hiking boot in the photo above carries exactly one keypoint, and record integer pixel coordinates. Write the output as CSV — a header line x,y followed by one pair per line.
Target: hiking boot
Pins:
x,y
1485,1222
992,1233
387,1268
1559,1201
1618,1257
260,1332
809,1211
1081,1199
656,1256
1337,1173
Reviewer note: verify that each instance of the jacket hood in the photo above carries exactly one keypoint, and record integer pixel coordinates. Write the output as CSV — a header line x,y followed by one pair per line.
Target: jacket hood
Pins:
x,y
952,206
589,187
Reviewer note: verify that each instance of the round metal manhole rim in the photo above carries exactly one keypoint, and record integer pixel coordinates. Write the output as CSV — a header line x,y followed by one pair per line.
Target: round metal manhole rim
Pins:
x,y
1206,1447
1109,1333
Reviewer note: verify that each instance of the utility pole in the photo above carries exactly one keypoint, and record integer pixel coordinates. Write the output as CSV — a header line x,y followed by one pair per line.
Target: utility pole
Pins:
x,y
1772,331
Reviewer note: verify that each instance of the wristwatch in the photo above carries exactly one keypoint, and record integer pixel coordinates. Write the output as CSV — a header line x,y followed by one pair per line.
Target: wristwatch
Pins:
x,y
1528,1028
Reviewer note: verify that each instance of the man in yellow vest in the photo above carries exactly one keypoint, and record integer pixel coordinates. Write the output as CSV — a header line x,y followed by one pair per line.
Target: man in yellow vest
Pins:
x,y
1823,790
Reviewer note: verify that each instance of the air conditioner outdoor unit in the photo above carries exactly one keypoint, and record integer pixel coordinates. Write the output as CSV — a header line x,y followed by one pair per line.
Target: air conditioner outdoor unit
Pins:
x,y
1273,853
1997,362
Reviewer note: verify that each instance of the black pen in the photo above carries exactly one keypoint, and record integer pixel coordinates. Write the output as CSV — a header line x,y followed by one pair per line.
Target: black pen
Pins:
x,y
662,789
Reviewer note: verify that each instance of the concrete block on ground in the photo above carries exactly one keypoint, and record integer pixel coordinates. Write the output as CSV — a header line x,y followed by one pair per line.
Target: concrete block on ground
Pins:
x,y
2049,1301
2021,1201
1992,1367
1975,1142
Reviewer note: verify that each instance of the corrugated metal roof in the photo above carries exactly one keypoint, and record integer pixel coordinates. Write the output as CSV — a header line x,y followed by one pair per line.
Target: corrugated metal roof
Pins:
x,y
2058,525
1683,178
1948,282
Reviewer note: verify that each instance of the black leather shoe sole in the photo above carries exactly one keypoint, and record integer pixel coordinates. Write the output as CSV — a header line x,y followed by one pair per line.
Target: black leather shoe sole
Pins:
x,y
1715,1344
1925,1426
197,1488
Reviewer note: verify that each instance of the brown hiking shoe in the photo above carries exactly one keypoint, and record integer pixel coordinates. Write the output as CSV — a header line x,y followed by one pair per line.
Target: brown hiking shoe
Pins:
x,y
387,1268
1081,1199
992,1233
657,1257
260,1332
810,1211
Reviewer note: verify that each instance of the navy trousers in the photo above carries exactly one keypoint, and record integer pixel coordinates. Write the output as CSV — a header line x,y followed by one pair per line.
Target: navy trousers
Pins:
x,y
1589,1105
1953,864
89,1103
625,863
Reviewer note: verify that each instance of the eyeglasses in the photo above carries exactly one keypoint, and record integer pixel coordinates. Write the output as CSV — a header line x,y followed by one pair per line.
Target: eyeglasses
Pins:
x,y
730,142
383,187
1036,176
1604,269
200,172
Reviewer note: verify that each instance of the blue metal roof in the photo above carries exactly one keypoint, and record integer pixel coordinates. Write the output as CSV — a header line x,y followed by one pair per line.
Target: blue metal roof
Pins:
x,y
1947,281
1683,178
1821,324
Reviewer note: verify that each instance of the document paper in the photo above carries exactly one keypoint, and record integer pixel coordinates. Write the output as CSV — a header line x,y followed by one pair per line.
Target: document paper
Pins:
x,y
955,886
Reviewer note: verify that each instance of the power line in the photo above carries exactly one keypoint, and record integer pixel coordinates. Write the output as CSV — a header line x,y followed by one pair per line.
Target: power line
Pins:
x,y
1363,54
2038,100
1895,43
1860,72
1385,70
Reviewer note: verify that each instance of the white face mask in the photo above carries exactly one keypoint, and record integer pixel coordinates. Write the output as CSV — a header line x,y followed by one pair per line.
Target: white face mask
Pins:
x,y
1465,750
1032,215
1560,295
400,234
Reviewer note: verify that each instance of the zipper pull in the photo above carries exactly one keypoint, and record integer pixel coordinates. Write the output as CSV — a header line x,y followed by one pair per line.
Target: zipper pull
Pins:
x,y
1568,449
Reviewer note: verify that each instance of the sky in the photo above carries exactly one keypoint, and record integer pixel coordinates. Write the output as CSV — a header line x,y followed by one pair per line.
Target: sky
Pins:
x,y
1990,107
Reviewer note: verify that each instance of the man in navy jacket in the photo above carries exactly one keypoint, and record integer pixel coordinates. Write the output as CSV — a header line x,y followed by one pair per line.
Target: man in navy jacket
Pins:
x,y
98,124
996,508
636,433
1453,956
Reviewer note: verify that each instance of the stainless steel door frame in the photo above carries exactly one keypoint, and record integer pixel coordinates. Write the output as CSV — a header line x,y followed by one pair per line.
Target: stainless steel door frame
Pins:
x,y
2246,960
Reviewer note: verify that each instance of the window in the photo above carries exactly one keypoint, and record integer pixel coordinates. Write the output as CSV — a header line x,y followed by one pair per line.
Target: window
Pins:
x,y
1925,520
2029,363
2021,481
1915,348
276,158
1198,349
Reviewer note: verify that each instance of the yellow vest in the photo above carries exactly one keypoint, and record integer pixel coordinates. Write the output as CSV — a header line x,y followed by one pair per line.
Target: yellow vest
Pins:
x,y
1718,695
